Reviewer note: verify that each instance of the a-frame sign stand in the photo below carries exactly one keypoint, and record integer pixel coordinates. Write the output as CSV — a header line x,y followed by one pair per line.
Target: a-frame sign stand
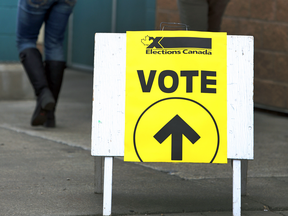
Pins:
x,y
108,120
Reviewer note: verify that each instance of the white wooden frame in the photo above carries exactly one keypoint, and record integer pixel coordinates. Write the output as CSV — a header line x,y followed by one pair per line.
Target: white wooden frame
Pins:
x,y
108,119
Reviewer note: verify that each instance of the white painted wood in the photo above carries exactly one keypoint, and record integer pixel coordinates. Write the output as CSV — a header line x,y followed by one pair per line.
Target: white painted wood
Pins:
x,y
240,73
107,195
109,95
236,187
108,120
98,175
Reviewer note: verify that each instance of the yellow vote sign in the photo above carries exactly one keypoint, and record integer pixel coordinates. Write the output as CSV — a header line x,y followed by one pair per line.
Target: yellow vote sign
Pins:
x,y
176,97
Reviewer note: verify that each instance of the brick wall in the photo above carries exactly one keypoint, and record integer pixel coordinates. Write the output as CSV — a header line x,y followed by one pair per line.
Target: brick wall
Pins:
x,y
166,11
267,21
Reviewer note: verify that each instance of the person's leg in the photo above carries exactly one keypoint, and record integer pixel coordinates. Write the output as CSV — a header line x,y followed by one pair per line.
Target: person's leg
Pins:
x,y
216,11
54,73
29,20
55,25
194,13
30,17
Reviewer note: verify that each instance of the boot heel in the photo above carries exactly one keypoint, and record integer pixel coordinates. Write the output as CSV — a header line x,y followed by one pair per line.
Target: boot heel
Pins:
x,y
50,122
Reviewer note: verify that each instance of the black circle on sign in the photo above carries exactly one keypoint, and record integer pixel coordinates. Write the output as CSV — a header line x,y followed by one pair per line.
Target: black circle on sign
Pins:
x,y
171,98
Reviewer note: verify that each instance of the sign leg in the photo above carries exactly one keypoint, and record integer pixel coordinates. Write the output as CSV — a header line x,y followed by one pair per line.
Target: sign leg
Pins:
x,y
107,195
236,187
98,175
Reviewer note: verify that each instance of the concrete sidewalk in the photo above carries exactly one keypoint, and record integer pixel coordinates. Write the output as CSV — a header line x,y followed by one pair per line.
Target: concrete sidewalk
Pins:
x,y
50,171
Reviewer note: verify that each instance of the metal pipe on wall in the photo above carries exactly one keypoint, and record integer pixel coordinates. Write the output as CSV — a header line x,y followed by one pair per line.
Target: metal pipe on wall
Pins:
x,y
113,16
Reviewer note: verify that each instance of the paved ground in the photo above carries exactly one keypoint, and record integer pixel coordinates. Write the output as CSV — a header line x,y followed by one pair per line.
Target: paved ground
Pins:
x,y
50,171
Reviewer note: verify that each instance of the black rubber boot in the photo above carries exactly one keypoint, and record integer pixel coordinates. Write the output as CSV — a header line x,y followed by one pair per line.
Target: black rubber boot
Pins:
x,y
32,61
54,73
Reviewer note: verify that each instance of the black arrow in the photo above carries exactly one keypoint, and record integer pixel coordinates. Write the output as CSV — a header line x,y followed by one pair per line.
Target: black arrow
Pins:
x,y
177,127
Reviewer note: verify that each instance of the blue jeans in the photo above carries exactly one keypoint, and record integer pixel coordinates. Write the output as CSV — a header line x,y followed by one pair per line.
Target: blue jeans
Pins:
x,y
32,14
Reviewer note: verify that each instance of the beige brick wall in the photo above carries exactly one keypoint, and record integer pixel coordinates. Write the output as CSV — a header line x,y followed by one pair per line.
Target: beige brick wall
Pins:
x,y
166,11
267,21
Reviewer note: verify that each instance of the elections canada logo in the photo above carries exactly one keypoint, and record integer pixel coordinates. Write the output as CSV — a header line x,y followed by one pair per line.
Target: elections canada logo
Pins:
x,y
177,45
